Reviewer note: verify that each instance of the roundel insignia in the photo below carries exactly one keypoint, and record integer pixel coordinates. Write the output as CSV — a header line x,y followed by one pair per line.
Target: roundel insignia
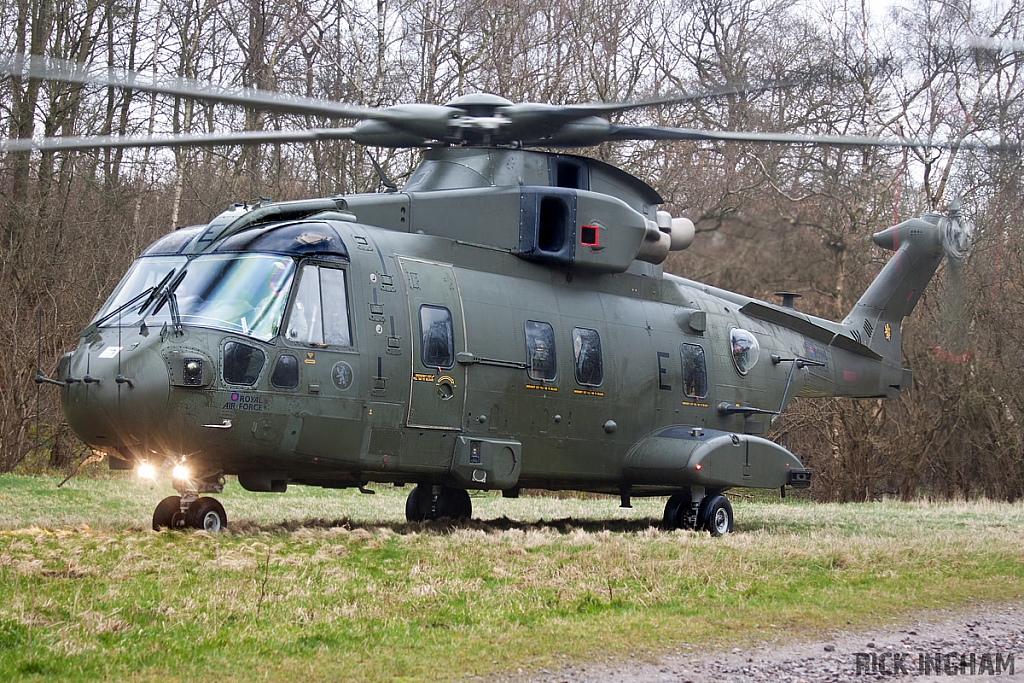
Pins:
x,y
341,373
234,396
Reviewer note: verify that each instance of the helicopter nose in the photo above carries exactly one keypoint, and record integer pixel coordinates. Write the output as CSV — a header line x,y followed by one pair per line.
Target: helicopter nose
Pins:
x,y
110,414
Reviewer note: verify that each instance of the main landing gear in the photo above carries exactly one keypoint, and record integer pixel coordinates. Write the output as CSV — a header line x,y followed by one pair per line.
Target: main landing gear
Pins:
x,y
189,510
434,502
692,509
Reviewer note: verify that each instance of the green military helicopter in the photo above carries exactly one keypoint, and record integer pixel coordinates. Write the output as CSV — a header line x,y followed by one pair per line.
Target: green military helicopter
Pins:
x,y
502,321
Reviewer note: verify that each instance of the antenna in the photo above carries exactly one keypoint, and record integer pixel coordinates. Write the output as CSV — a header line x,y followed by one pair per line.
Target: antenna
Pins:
x,y
384,179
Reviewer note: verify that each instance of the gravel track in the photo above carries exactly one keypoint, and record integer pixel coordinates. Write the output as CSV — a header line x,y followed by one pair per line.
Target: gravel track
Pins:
x,y
984,631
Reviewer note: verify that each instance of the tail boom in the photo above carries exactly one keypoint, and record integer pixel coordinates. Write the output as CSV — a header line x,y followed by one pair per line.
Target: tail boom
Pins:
x,y
877,317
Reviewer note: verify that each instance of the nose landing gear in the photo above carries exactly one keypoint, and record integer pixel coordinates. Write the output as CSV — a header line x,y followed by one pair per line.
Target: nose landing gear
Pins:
x,y
191,510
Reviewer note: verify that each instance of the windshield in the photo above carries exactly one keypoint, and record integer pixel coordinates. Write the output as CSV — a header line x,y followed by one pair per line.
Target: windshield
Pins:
x,y
144,274
236,293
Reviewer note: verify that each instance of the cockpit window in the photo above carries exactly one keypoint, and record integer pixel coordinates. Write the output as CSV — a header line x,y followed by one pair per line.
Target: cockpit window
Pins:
x,y
245,294
304,323
320,312
745,350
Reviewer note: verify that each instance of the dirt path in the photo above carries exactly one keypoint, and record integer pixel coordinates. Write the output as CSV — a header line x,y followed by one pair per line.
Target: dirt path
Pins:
x,y
992,634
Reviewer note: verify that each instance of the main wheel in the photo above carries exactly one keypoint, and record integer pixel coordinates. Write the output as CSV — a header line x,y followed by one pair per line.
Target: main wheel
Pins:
x,y
453,503
207,514
167,514
717,517
677,511
417,505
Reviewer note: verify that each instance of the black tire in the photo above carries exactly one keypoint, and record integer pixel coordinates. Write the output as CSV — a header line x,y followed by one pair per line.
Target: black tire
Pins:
x,y
207,514
677,509
417,505
453,503
167,513
717,517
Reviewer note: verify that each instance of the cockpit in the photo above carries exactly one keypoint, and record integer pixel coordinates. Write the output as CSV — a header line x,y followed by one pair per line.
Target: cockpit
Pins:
x,y
235,290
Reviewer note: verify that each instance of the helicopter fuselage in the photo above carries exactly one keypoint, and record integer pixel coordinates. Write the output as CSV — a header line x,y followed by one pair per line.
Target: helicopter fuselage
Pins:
x,y
500,336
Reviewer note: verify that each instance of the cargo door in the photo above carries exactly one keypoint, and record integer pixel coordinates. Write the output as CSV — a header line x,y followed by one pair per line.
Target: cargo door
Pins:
x,y
438,393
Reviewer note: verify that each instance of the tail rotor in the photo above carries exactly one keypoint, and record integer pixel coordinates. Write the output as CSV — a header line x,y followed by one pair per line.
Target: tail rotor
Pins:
x,y
954,315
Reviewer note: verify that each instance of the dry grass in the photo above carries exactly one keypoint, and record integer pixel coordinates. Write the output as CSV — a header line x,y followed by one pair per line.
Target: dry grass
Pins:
x,y
334,585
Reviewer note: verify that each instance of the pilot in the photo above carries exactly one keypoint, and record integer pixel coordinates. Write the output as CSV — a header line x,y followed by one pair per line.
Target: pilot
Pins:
x,y
303,322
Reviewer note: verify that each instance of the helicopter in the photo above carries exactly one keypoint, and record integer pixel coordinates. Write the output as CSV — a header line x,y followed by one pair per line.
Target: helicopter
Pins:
x,y
502,321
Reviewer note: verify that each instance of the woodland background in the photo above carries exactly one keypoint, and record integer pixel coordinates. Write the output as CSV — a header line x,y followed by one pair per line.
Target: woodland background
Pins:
x,y
771,217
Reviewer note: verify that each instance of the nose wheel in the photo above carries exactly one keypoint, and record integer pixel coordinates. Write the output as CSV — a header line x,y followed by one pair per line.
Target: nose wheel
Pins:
x,y
175,512
168,514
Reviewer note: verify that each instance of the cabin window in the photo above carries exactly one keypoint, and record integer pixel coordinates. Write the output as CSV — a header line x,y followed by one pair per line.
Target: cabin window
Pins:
x,y
745,350
286,372
242,363
586,348
540,350
437,337
695,371
320,310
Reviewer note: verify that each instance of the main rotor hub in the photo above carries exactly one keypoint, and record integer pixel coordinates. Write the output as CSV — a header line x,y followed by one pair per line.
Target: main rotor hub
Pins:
x,y
479,104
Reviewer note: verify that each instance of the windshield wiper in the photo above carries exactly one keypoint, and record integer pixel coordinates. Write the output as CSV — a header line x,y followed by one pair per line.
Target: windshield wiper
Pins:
x,y
167,297
148,293
172,302
154,291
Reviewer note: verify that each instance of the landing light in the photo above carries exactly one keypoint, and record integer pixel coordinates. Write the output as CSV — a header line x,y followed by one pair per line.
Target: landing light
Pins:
x,y
146,471
180,472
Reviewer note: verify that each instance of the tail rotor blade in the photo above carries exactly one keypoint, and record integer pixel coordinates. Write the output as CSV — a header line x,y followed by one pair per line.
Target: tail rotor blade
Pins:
x,y
954,311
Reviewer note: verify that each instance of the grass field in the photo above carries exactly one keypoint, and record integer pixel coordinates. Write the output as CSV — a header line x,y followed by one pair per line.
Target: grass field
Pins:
x,y
329,585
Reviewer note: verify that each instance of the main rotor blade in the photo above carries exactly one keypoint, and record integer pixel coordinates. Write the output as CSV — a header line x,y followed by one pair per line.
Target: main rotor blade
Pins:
x,y
617,133
994,44
532,113
183,140
60,70
602,108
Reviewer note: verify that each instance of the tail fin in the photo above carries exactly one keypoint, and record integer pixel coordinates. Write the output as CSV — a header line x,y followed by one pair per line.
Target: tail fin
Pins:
x,y
875,319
